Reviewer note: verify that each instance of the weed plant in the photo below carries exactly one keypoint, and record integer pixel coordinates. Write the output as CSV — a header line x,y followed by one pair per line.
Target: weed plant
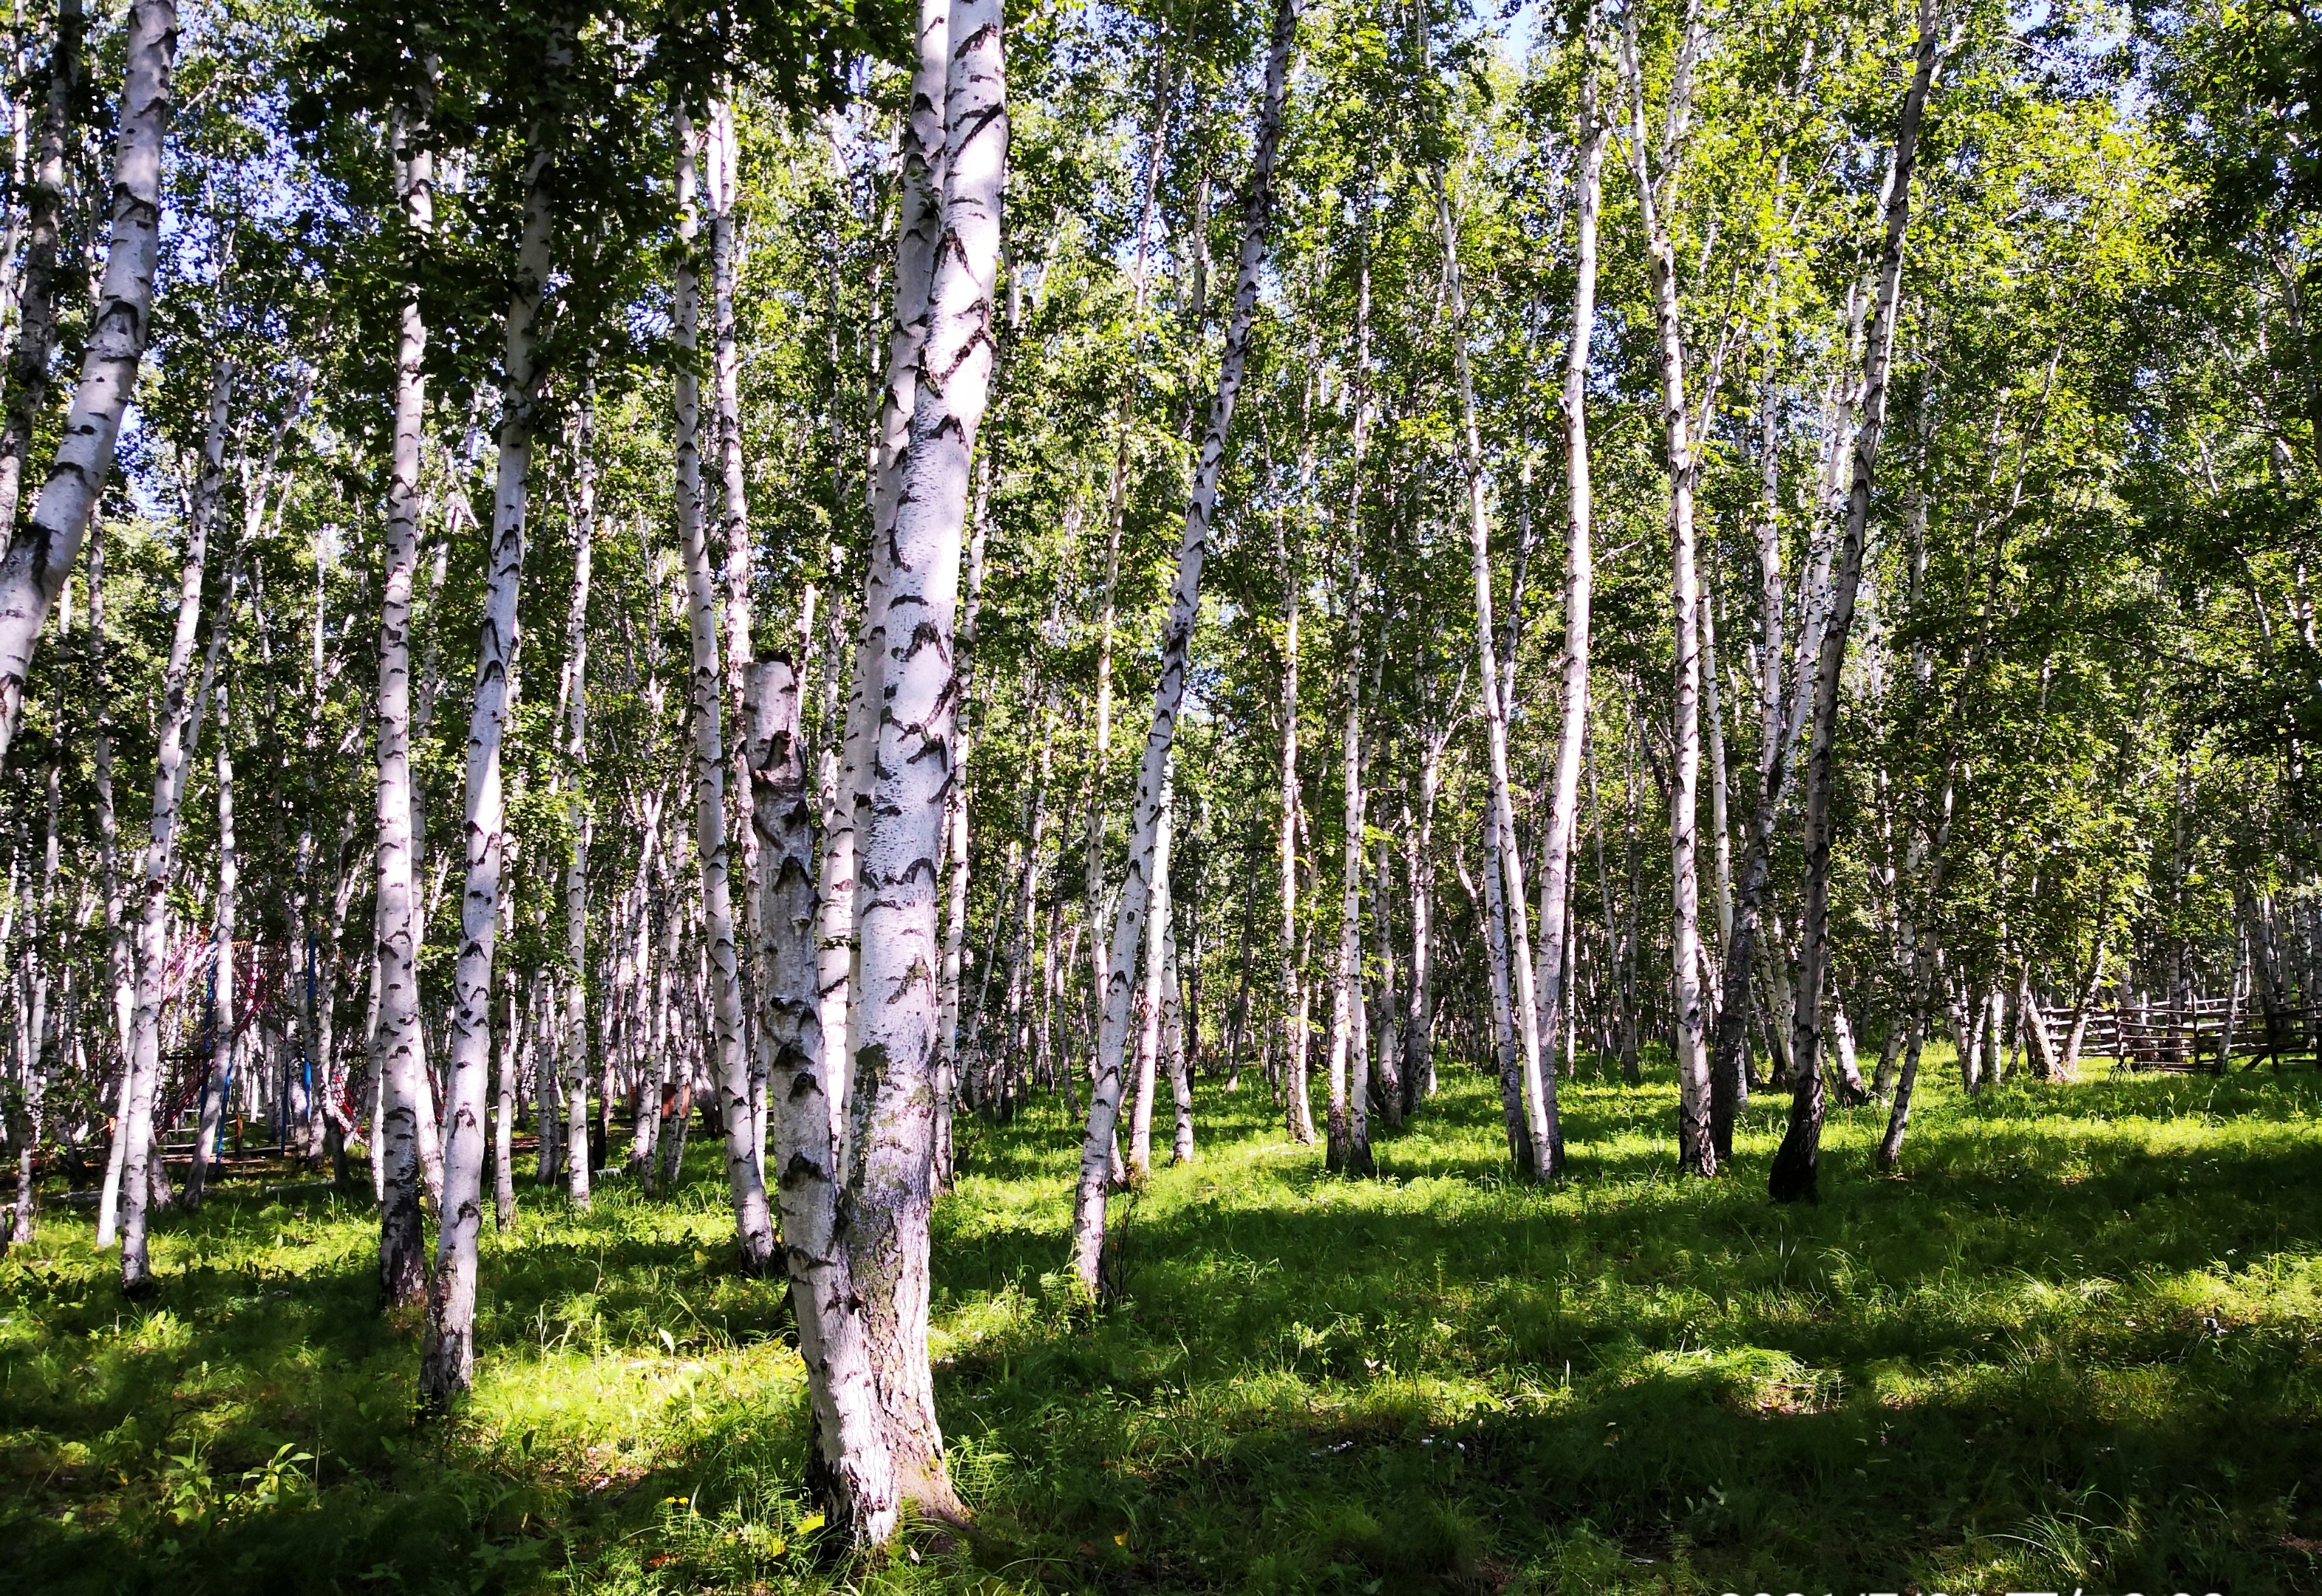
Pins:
x,y
2075,1345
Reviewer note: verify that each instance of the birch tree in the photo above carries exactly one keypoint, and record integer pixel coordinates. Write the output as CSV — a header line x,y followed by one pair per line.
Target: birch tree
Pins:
x,y
35,567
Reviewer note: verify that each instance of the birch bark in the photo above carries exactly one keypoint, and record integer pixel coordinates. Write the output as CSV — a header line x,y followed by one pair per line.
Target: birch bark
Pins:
x,y
852,1470
34,568
1532,1133
894,1009
1697,1149
1148,1000
1558,854
919,221
178,732
1169,691
399,1055
1796,1162
222,1033
1300,1112
1349,1151
580,818
119,983
36,326
447,1362
730,1066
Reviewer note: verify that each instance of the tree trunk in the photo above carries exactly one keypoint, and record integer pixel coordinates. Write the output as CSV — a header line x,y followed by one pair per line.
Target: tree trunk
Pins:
x,y
730,1070
1169,691
1348,1149
580,816
915,570
399,1059
223,1027
956,862
923,158
852,1468
34,568
1696,1147
1391,1095
1174,1025
447,1364
1542,1139
32,1095
1793,1176
118,982
1558,854
178,733
36,325
1298,1117
1149,995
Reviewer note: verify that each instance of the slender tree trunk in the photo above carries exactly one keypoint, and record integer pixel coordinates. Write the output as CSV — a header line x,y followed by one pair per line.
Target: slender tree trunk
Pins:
x,y
955,863
32,1096
1169,691
1696,1147
1095,893
1390,995
399,1058
44,204
1558,853
1538,1145
178,733
504,1098
1300,1117
1419,861
730,1071
581,818
1793,1176
447,1364
34,568
222,1023
118,982
1349,1151
1150,997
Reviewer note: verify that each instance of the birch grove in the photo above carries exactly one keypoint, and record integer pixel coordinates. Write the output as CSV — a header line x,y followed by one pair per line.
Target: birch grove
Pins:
x,y
1741,564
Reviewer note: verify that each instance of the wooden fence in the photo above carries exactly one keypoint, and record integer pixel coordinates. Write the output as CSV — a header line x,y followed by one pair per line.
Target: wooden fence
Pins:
x,y
2190,1035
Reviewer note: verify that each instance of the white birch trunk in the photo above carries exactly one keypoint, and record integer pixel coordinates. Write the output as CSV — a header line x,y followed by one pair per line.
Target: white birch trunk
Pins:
x,y
1150,997
1558,854
178,732
1349,1149
1795,1163
729,1063
447,1364
36,328
221,1034
399,1059
1168,694
924,147
955,864
1510,950
580,818
912,594
1300,1113
852,1468
34,568
1696,1147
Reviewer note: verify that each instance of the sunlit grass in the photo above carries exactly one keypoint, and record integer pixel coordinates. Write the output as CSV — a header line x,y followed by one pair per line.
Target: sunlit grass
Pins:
x,y
2073,1345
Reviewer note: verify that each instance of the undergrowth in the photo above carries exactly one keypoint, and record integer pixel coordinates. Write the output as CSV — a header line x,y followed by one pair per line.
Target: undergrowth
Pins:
x,y
2074,1346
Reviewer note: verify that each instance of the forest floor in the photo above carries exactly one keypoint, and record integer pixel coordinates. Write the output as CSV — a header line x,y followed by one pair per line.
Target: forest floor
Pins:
x,y
2077,1346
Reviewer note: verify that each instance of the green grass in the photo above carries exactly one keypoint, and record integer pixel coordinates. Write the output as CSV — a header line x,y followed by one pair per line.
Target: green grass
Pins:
x,y
2077,1346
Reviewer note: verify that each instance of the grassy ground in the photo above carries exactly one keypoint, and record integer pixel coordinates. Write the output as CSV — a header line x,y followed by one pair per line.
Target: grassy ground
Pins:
x,y
2077,1346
